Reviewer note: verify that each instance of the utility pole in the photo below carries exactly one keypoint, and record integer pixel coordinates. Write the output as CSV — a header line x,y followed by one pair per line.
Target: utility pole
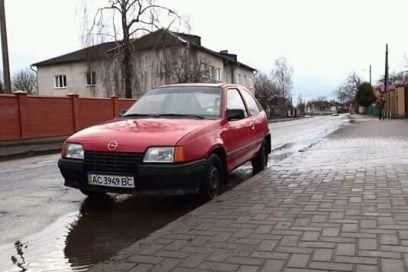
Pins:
x,y
386,69
370,74
4,49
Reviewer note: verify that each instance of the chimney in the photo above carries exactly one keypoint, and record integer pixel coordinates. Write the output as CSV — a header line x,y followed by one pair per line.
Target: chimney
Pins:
x,y
232,57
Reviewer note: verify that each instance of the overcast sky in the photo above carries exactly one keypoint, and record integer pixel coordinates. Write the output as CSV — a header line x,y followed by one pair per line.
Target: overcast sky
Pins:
x,y
324,40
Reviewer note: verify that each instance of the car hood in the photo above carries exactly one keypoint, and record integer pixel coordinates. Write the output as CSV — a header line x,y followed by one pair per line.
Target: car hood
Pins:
x,y
136,135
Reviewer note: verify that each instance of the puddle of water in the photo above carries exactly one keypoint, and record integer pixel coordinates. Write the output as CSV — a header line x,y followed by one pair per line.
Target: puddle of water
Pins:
x,y
99,230
40,251
305,145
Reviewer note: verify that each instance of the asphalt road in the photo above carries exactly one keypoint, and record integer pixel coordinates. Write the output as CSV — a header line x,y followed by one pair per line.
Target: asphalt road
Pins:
x,y
45,226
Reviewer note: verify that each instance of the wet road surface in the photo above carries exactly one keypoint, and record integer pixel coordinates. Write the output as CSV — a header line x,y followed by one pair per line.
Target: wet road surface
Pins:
x,y
47,227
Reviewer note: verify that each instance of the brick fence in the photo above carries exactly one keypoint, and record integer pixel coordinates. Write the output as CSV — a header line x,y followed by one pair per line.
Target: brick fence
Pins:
x,y
24,116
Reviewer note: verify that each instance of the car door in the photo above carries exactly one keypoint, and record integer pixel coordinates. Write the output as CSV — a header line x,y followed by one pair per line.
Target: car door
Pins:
x,y
237,135
256,119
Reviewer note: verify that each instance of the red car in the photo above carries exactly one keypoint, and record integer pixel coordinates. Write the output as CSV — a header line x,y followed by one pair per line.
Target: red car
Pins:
x,y
176,139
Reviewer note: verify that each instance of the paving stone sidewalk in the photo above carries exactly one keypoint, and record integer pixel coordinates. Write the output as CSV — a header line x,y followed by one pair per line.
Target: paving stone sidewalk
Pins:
x,y
339,206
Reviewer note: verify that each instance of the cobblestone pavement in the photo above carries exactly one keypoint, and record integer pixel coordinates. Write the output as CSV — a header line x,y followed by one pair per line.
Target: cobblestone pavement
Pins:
x,y
339,206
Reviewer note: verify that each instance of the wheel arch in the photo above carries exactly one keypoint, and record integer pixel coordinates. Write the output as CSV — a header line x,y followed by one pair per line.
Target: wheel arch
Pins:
x,y
220,152
269,142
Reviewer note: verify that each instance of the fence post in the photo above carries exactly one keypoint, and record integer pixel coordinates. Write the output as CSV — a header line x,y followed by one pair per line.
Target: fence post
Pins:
x,y
115,106
75,110
22,100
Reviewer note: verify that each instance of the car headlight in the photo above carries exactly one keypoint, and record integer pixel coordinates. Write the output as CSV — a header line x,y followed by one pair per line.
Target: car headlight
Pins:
x,y
73,151
159,155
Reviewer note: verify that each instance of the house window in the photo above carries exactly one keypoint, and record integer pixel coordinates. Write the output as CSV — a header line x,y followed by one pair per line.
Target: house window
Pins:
x,y
60,81
212,72
218,74
250,83
90,78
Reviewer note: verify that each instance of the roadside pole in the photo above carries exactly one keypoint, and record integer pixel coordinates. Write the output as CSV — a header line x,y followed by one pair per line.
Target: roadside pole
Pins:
x,y
370,75
386,69
385,80
4,49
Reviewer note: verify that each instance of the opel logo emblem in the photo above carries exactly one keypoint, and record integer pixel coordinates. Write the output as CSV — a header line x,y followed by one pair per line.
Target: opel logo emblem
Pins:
x,y
112,145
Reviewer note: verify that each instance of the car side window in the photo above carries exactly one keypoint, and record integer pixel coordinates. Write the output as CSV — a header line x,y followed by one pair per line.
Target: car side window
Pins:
x,y
234,101
251,103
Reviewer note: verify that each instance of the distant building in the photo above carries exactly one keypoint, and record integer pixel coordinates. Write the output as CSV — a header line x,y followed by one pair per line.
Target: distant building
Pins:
x,y
320,107
161,57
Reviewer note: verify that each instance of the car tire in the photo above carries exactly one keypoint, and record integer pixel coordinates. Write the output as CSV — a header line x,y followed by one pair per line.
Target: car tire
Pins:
x,y
212,181
260,162
92,194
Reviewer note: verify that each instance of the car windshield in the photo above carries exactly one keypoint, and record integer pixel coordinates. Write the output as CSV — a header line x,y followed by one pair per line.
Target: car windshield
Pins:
x,y
184,102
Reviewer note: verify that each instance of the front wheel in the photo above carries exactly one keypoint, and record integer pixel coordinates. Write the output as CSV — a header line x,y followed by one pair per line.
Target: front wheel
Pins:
x,y
260,162
213,179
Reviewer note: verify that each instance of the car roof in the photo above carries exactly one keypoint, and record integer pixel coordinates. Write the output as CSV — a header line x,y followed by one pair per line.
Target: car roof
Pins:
x,y
221,85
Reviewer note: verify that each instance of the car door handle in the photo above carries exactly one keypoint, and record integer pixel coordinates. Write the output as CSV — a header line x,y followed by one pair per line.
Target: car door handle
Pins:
x,y
253,126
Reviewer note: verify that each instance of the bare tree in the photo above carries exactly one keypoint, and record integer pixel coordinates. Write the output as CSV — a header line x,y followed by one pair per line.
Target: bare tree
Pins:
x,y
301,104
25,80
346,92
282,77
183,65
122,20
396,78
265,90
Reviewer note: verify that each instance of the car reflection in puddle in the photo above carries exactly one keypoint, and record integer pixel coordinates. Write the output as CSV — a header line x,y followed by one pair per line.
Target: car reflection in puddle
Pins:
x,y
108,224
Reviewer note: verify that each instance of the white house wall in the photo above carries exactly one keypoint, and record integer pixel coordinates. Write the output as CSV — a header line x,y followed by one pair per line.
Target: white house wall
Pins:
x,y
76,80
244,77
212,61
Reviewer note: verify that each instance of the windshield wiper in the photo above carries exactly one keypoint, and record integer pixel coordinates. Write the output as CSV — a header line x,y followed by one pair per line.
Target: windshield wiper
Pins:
x,y
140,115
180,115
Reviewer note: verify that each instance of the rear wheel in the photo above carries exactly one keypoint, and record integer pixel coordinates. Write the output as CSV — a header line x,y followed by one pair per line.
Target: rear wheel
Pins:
x,y
260,162
214,178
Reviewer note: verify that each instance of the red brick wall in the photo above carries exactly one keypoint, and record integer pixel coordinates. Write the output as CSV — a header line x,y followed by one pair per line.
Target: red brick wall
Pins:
x,y
94,111
125,104
9,117
45,116
30,117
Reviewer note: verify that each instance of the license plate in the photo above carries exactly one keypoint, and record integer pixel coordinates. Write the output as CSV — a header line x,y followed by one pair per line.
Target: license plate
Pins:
x,y
111,181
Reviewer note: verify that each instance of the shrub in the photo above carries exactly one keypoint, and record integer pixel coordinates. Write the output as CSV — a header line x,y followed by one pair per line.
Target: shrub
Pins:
x,y
365,94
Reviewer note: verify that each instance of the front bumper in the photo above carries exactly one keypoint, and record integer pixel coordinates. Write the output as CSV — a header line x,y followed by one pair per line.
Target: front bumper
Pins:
x,y
167,179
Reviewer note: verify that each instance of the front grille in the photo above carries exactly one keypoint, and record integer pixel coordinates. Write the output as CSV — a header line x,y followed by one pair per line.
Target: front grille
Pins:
x,y
109,162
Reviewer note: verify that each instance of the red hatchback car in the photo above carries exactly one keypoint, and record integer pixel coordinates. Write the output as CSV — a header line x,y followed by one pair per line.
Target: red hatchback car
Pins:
x,y
176,139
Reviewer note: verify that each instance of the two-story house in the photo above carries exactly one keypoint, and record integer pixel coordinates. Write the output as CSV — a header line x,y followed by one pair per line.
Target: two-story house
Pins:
x,y
161,57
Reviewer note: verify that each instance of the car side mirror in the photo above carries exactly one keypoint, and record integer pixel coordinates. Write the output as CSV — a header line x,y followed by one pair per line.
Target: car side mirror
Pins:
x,y
235,114
122,112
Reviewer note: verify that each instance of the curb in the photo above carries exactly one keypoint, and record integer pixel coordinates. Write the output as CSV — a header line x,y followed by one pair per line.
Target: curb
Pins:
x,y
27,148
271,121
